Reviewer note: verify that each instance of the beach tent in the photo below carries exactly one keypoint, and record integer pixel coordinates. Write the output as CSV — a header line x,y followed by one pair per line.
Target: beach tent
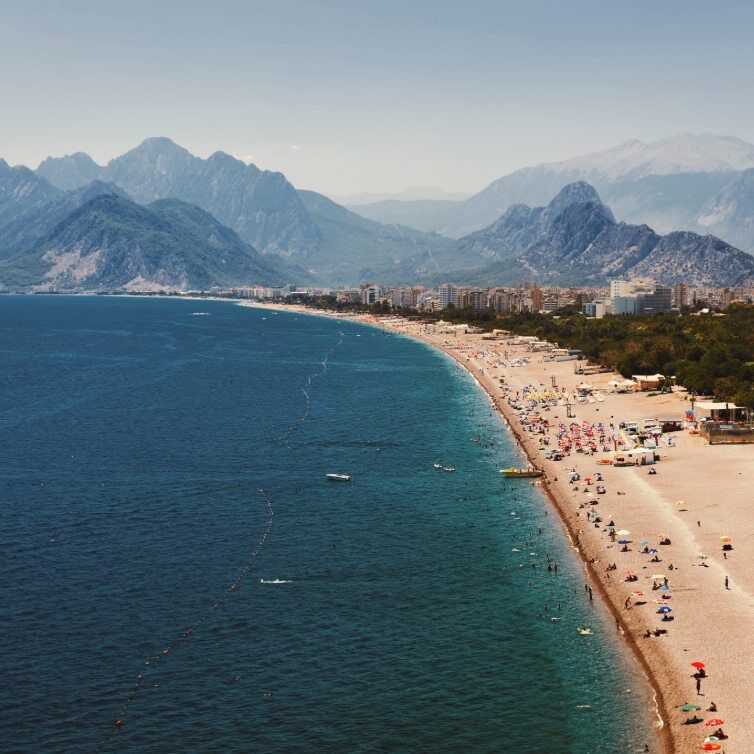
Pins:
x,y
648,381
634,457
625,386
718,411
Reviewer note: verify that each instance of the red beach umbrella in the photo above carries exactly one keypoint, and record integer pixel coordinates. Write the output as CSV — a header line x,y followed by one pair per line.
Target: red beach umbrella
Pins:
x,y
714,721
697,664
711,746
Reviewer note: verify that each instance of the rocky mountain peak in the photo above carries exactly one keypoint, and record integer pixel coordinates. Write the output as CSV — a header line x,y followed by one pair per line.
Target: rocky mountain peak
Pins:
x,y
573,193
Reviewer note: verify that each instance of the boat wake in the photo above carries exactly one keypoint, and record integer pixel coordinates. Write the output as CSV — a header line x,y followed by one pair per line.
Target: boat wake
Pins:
x,y
285,438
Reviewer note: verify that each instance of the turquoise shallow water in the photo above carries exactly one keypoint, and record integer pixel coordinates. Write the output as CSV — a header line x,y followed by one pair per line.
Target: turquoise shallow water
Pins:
x,y
135,435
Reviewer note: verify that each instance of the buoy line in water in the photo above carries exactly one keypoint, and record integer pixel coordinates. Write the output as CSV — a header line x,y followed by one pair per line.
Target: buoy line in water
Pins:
x,y
217,604
296,425
188,631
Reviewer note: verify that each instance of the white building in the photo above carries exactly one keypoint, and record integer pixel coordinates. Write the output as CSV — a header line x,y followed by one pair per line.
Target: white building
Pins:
x,y
596,309
449,295
370,294
633,287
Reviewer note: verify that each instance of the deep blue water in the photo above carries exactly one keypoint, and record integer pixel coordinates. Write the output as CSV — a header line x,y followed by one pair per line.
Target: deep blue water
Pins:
x,y
134,437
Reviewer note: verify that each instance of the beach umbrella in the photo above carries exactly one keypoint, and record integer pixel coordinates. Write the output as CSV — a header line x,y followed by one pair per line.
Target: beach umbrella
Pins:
x,y
665,609
657,576
623,532
689,708
725,539
711,746
644,542
714,721
637,594
697,664
630,573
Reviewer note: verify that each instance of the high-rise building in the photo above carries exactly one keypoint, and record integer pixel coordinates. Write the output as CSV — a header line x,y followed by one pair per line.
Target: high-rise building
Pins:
x,y
631,287
449,295
537,299
370,293
639,296
501,301
476,300
660,300
680,295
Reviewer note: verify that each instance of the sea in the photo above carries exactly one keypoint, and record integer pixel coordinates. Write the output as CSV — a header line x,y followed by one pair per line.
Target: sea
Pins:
x,y
179,575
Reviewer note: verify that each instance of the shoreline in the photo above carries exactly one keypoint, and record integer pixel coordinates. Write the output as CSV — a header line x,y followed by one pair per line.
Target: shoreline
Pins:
x,y
661,732
713,482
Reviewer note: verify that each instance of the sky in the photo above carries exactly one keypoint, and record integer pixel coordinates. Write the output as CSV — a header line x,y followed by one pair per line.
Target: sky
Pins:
x,y
345,96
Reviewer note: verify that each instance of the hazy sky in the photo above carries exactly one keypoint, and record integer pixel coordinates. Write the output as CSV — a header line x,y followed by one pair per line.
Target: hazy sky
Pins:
x,y
346,96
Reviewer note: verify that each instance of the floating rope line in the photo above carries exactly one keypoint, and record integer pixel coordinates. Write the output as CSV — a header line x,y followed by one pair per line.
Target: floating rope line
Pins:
x,y
186,633
286,436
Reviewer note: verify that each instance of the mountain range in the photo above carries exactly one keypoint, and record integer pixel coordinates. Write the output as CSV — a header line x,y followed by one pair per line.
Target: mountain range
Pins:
x,y
575,240
159,216
263,207
111,242
703,183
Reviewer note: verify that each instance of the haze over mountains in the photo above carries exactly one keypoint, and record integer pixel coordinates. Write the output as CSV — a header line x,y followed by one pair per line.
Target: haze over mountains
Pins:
x,y
702,183
159,217
410,194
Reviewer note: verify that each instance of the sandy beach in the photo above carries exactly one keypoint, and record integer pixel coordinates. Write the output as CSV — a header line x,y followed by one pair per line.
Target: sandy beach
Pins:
x,y
699,494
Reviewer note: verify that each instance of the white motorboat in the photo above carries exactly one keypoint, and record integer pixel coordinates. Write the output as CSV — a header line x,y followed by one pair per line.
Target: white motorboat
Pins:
x,y
338,477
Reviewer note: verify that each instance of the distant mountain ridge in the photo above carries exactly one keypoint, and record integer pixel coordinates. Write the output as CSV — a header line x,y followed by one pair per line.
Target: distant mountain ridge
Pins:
x,y
111,242
691,182
264,209
51,235
575,240
410,194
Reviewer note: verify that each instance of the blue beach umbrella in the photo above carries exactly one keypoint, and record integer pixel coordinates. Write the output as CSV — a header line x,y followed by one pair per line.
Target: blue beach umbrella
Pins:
x,y
665,588
665,609
644,542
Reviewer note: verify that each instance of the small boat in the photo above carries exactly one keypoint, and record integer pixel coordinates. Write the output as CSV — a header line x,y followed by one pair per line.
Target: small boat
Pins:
x,y
449,468
437,465
514,473
585,630
338,477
